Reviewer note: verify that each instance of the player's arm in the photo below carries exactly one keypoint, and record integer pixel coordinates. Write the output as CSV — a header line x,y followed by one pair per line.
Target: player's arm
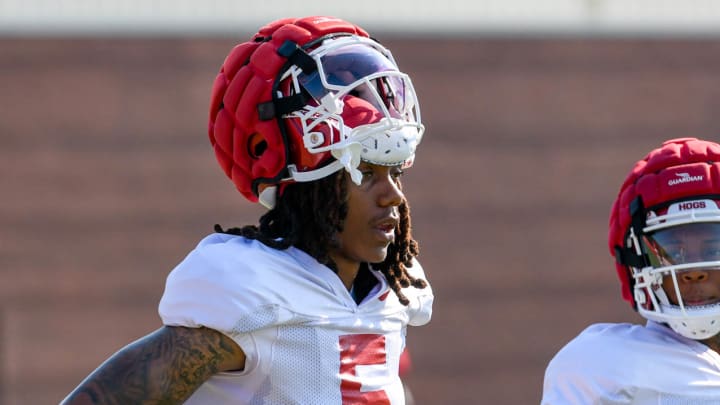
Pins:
x,y
166,367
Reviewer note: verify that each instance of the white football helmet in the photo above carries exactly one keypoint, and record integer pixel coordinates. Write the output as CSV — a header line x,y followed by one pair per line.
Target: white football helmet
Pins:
x,y
682,247
305,98
364,108
665,236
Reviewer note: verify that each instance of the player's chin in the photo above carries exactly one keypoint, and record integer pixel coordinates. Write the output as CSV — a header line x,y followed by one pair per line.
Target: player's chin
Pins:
x,y
377,255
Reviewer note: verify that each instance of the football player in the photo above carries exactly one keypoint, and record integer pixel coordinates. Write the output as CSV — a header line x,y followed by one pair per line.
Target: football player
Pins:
x,y
665,237
313,119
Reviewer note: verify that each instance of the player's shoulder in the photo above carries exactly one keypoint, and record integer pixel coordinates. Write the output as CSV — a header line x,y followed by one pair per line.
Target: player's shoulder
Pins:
x,y
232,274
416,270
219,249
608,359
421,299
629,335
231,261
219,242
611,331
593,365
603,347
600,344
614,337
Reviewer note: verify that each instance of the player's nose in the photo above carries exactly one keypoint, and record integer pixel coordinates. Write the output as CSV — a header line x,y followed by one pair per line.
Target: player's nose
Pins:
x,y
693,276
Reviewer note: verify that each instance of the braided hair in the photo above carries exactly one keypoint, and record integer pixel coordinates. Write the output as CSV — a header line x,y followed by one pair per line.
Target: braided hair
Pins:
x,y
293,222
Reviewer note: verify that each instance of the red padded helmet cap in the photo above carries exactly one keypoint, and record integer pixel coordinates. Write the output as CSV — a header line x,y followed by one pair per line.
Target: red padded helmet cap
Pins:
x,y
251,150
680,169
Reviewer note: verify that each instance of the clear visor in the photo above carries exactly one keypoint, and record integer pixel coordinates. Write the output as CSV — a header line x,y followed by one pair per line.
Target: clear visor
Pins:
x,y
362,71
696,244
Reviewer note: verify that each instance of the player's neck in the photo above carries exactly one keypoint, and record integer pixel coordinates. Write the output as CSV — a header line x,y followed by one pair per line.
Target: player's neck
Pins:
x,y
347,273
347,268
713,343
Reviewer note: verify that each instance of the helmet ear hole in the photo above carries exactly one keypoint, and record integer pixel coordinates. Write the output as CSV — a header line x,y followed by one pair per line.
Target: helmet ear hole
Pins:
x,y
256,145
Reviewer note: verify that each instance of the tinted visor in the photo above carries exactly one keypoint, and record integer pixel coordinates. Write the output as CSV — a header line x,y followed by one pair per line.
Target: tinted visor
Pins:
x,y
683,244
361,71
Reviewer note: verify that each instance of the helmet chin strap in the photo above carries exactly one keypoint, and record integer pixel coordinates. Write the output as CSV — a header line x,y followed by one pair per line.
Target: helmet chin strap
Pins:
x,y
348,157
268,197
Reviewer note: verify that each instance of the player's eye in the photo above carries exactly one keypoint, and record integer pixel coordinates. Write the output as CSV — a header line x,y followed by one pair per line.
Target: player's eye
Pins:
x,y
676,254
711,253
396,173
367,176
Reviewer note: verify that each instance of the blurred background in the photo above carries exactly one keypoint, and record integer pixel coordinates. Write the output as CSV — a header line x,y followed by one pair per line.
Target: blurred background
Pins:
x,y
535,112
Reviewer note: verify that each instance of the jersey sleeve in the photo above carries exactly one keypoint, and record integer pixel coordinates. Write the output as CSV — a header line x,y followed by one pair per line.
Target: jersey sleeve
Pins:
x,y
213,287
588,370
421,300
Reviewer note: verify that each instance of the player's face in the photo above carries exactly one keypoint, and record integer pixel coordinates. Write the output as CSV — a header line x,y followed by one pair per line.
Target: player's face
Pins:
x,y
691,244
372,216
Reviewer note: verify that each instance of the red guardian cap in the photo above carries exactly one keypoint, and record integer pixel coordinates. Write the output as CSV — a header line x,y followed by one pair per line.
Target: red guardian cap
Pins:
x,y
664,228
306,97
680,170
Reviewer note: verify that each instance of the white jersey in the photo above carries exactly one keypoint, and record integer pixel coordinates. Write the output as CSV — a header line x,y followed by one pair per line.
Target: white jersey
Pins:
x,y
633,364
305,339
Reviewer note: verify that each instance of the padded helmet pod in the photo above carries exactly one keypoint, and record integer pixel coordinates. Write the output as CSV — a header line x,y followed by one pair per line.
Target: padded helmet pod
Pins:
x,y
307,97
674,190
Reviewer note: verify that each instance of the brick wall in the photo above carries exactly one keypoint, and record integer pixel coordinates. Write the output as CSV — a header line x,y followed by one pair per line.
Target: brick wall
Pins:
x,y
108,180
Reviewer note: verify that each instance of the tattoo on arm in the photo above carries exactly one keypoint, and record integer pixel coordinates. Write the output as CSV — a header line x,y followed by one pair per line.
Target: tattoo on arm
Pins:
x,y
164,367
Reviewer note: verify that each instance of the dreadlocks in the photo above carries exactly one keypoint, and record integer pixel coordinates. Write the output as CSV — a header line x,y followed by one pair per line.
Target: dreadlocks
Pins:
x,y
294,222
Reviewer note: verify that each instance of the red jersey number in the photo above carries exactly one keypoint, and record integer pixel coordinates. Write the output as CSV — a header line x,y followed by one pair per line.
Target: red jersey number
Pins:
x,y
357,350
